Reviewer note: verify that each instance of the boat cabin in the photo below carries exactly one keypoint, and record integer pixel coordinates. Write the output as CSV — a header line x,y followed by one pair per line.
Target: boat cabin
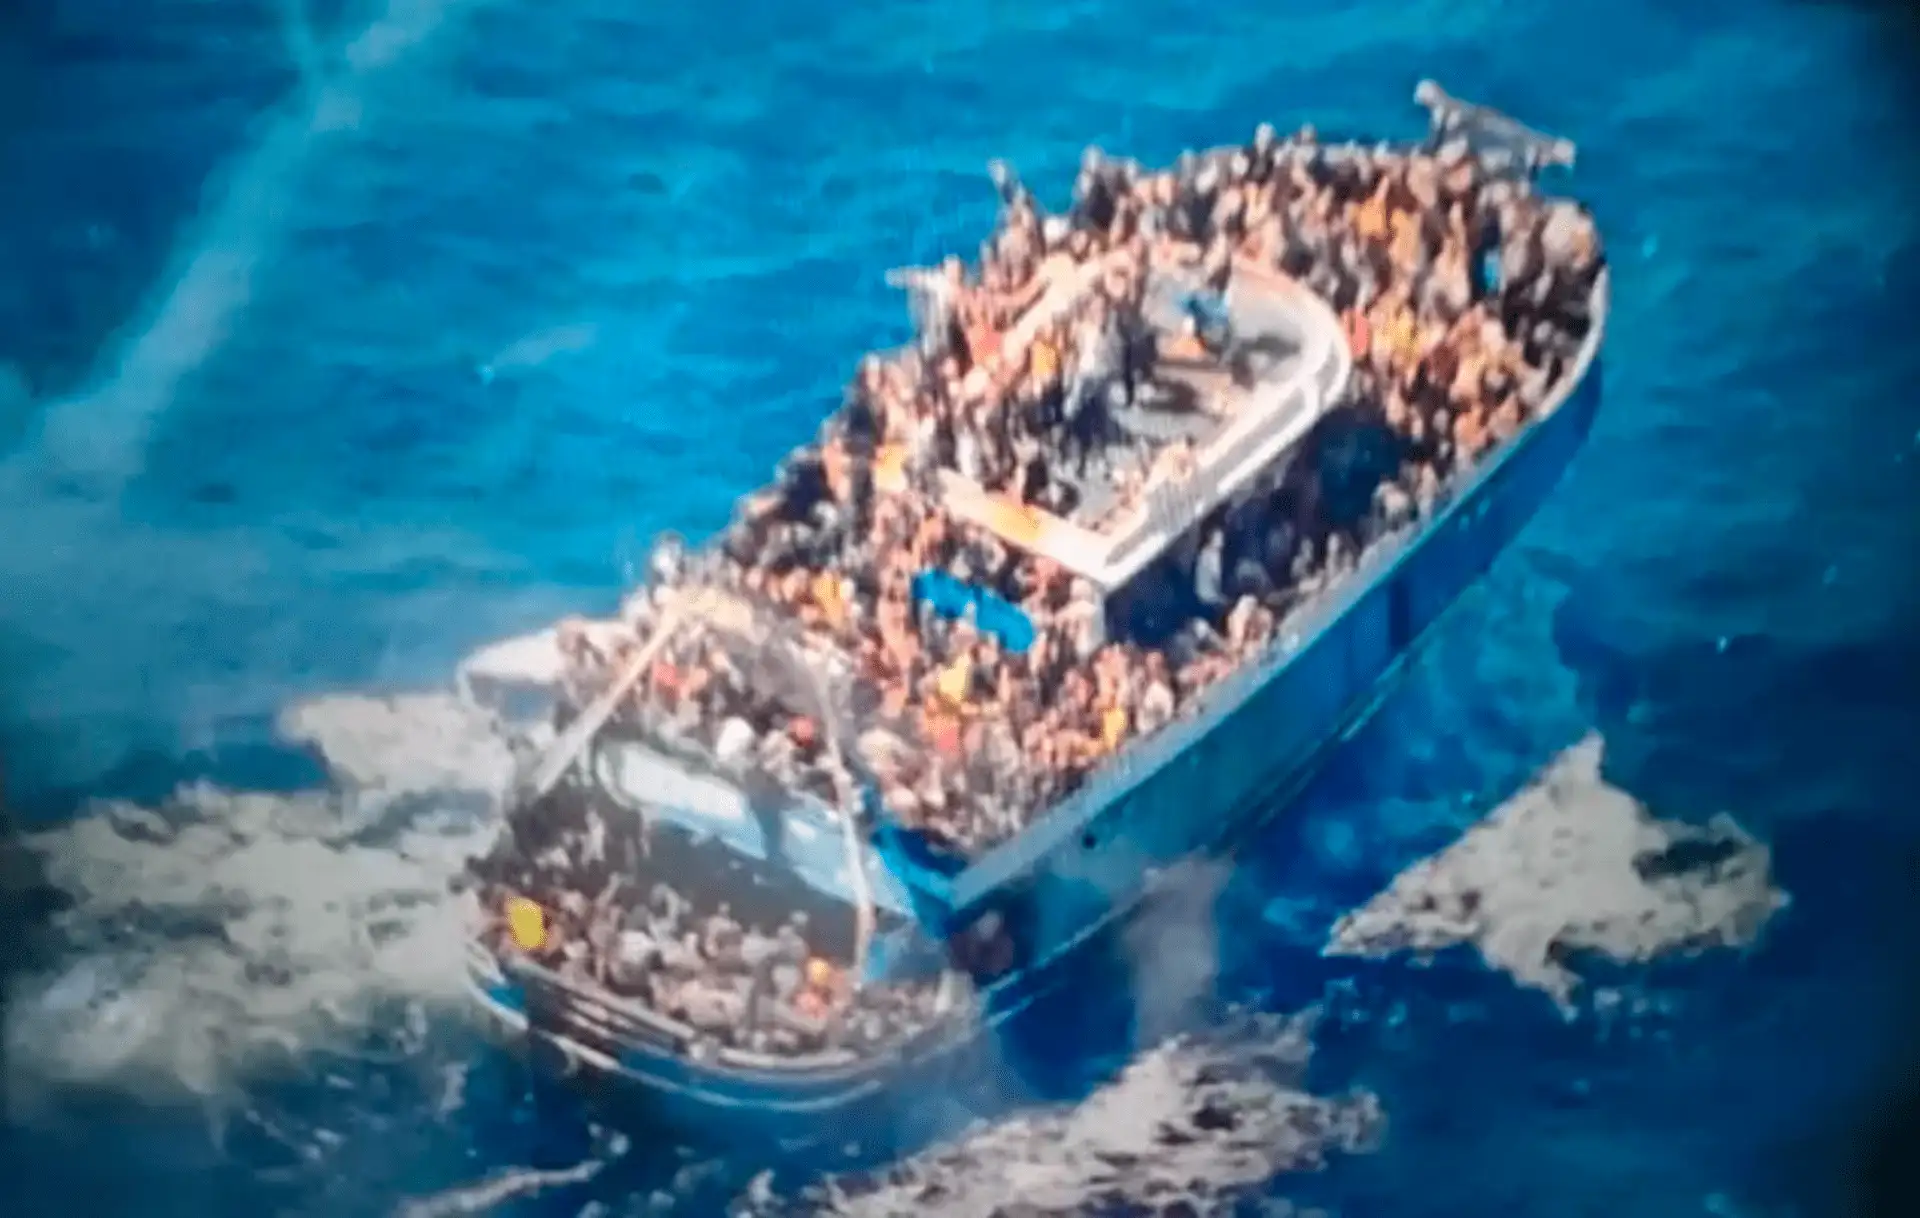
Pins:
x,y
1240,379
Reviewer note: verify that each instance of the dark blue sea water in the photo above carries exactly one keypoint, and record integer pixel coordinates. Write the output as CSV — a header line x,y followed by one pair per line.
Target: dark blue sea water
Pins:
x,y
252,254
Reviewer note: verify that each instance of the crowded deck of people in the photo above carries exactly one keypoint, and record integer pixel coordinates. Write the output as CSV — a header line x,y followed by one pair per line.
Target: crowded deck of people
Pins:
x,y
608,903
1077,374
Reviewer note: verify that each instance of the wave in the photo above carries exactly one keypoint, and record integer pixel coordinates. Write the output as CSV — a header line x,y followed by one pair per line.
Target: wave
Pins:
x,y
220,936
1196,1126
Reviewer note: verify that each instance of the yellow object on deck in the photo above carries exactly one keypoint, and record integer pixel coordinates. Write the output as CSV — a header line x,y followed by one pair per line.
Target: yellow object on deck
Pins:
x,y
955,681
527,923
1113,728
890,469
826,594
1014,521
819,973
1402,337
1370,218
1045,362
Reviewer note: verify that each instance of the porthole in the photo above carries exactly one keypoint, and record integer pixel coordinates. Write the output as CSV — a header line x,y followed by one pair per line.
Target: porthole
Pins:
x,y
1089,840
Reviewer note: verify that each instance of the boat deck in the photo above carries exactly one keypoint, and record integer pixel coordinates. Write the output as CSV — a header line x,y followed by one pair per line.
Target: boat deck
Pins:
x,y
1237,411
959,718
999,804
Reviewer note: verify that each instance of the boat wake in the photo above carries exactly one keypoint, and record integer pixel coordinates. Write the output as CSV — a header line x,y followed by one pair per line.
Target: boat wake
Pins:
x,y
502,1187
1201,1124
65,459
101,433
1195,1126
223,940
226,939
223,935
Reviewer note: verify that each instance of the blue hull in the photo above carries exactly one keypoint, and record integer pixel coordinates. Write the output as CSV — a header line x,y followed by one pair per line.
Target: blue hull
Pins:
x,y
1197,788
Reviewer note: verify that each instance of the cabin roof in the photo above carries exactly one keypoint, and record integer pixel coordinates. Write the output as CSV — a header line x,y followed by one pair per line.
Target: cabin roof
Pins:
x,y
1294,366
799,837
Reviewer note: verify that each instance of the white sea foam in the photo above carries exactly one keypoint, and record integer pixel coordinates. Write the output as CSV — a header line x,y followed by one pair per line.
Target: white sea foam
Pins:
x,y
501,1186
538,348
1200,1124
1573,864
222,935
1195,1125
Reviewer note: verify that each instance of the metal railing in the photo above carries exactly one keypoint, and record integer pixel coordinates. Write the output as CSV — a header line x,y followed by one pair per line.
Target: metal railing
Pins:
x,y
1171,508
1503,144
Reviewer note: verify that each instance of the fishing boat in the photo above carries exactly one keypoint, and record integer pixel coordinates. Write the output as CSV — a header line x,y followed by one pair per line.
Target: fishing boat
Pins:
x,y
972,933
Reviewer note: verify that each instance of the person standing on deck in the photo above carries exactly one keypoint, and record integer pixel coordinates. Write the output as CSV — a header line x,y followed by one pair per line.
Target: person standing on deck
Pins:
x,y
1099,356
1095,200
1209,574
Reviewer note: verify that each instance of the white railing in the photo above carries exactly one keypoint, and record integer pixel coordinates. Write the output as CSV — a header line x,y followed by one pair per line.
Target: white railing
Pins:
x,y
1274,421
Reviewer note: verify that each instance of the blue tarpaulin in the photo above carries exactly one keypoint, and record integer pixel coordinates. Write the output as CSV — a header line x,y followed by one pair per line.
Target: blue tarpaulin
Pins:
x,y
992,613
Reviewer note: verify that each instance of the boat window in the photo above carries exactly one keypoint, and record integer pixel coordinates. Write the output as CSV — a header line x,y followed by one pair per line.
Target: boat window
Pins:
x,y
1186,584
1159,601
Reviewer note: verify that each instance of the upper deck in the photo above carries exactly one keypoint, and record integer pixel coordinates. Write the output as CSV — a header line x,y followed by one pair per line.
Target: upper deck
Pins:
x,y
1226,418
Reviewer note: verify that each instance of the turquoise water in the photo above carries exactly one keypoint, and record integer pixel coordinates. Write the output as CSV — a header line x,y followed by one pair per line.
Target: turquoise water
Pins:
x,y
251,263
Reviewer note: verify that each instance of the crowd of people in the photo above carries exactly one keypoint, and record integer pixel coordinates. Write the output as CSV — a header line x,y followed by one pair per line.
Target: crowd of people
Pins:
x,y
1463,295
976,737
589,896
